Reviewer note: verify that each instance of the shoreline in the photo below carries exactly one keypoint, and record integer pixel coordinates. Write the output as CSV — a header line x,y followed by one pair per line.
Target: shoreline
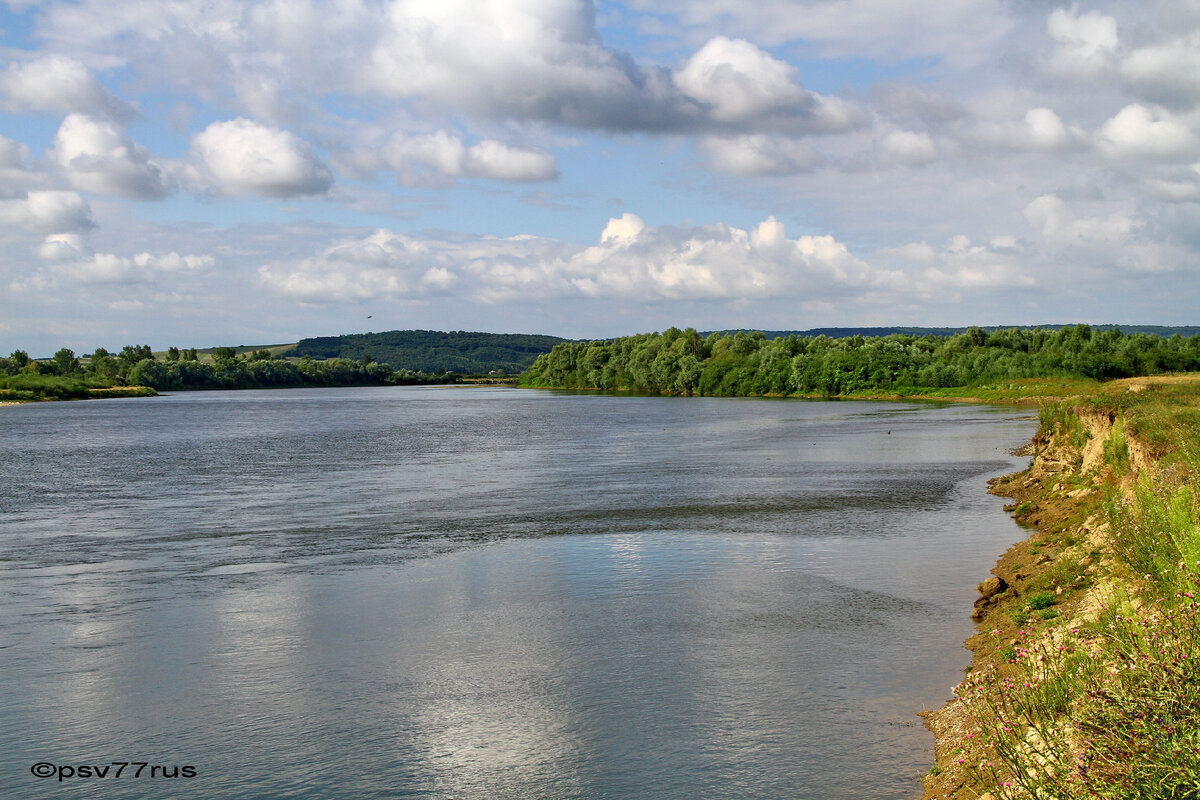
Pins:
x,y
1067,558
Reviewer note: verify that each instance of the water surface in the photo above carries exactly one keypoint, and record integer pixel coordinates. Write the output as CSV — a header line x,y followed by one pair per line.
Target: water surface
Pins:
x,y
487,592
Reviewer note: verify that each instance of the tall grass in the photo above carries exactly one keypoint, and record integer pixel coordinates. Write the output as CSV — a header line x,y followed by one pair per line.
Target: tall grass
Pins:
x,y
1111,709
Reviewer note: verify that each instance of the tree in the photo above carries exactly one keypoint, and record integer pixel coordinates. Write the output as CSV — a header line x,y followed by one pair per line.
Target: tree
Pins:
x,y
18,361
102,365
133,353
65,362
224,353
148,372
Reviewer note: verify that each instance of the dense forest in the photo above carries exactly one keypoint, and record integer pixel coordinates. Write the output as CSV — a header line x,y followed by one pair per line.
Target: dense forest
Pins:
x,y
845,333
743,363
68,376
675,361
467,353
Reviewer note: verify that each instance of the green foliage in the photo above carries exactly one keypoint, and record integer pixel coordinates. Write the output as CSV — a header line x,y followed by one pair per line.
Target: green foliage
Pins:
x,y
131,354
1042,600
66,364
747,363
1108,713
1116,448
1108,709
466,353
30,386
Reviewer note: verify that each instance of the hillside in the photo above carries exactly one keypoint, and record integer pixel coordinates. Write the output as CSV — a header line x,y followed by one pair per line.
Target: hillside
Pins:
x,y
467,353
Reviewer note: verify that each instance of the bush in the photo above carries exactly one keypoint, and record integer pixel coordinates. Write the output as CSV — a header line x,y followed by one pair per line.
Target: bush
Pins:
x,y
43,387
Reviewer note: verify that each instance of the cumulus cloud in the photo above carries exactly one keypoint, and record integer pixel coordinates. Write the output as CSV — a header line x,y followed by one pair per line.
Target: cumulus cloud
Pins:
x,y
1040,130
97,155
62,84
1175,185
111,269
531,60
960,31
16,170
962,265
631,261
736,80
243,157
759,155
735,83
714,262
1086,43
61,247
48,212
1060,225
1166,71
1139,132
447,155
388,264
535,59
908,147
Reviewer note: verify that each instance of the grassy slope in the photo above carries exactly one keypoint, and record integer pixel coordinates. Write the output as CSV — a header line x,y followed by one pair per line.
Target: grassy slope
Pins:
x,y
1086,676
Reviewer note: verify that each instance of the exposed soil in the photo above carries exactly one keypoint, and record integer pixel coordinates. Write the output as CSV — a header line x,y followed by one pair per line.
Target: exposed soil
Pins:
x,y
1055,498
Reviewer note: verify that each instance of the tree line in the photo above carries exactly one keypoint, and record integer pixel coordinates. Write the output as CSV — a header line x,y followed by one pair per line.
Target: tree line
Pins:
x,y
746,363
464,352
66,375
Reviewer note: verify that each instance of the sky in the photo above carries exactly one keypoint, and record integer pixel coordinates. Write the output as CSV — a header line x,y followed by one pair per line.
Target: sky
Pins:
x,y
225,172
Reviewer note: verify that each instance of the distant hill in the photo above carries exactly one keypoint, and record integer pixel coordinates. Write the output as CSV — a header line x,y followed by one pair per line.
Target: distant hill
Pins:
x,y
467,353
1165,331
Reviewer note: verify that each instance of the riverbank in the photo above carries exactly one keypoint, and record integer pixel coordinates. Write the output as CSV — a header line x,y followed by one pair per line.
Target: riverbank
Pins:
x,y
13,397
1063,697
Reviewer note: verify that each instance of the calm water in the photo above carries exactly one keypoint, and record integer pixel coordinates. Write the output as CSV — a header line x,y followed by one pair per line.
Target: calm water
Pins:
x,y
487,593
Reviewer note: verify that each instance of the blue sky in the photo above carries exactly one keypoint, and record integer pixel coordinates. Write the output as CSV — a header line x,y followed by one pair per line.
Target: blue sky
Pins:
x,y
230,172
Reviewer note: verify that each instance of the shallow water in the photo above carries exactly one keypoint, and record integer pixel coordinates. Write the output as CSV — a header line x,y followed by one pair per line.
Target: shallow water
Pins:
x,y
487,592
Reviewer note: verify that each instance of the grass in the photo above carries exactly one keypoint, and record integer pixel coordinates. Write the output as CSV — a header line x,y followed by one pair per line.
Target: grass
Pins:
x,y
31,388
1108,708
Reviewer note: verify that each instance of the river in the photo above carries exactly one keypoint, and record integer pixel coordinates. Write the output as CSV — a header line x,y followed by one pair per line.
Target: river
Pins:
x,y
446,592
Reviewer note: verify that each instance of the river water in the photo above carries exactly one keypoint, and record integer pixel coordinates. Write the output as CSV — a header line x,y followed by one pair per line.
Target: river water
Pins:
x,y
487,593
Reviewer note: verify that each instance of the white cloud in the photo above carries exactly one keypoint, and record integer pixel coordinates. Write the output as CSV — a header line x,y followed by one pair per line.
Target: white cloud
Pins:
x,y
48,211
448,156
59,83
759,155
908,147
527,60
1175,186
1087,43
717,262
97,155
624,229
108,268
17,174
535,59
737,81
1138,132
956,31
632,261
244,157
738,84
1060,225
1166,71
60,247
961,265
391,265
1040,130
